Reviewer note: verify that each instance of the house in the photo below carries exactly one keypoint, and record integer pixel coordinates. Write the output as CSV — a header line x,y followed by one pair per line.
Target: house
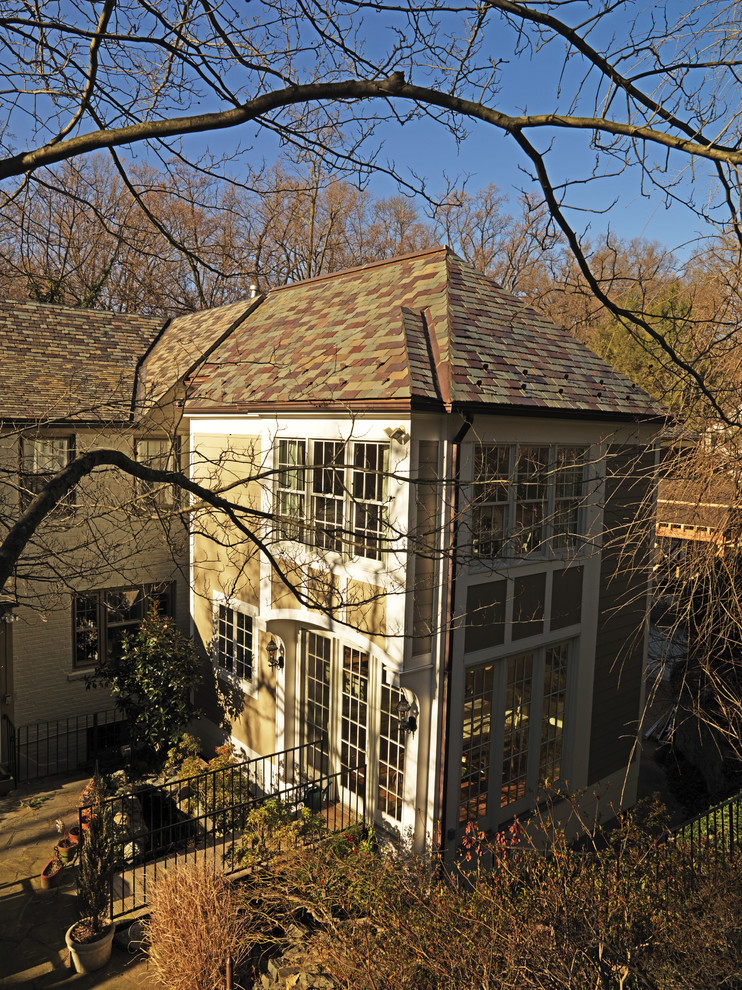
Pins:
x,y
72,380
432,563
437,579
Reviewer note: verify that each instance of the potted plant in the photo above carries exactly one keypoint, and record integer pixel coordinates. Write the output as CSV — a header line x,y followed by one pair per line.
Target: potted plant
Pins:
x,y
67,845
52,871
90,939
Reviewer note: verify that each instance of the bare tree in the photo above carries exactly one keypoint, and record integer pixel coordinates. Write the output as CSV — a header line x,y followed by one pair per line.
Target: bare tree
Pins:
x,y
654,98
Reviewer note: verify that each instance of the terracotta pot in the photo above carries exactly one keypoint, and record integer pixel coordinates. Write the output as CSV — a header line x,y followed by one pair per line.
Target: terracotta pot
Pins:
x,y
89,956
51,873
67,850
77,834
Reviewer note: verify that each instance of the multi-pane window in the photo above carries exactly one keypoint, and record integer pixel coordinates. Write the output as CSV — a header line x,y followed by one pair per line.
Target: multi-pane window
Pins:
x,y
40,459
102,618
491,499
530,499
317,670
392,742
517,728
351,726
328,494
290,488
475,758
552,714
331,495
354,720
163,454
526,498
568,496
233,642
369,472
513,731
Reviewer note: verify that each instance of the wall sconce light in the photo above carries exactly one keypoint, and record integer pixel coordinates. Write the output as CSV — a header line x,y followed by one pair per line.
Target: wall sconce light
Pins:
x,y
275,655
407,713
399,434
7,604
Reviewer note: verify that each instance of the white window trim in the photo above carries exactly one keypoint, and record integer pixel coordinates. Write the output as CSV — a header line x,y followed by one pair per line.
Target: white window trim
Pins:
x,y
347,552
249,687
379,672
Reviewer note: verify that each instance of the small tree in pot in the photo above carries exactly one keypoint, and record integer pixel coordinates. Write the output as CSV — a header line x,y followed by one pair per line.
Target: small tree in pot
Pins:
x,y
89,939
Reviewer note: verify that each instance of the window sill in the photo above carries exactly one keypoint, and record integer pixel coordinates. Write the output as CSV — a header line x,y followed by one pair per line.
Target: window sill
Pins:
x,y
249,687
79,673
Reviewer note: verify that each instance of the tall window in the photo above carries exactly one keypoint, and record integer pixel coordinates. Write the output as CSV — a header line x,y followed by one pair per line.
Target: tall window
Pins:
x,y
102,618
392,741
290,489
527,499
354,720
317,701
331,495
233,642
367,505
40,459
513,732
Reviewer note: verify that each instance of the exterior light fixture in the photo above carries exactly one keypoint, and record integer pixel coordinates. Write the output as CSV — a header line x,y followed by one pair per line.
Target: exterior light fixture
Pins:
x,y
275,655
398,434
407,713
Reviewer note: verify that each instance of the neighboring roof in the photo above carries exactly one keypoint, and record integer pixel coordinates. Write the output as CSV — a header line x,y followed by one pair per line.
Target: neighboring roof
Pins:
x,y
711,503
72,364
423,330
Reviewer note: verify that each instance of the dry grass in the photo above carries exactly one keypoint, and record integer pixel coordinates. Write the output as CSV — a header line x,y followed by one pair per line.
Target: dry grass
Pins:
x,y
195,924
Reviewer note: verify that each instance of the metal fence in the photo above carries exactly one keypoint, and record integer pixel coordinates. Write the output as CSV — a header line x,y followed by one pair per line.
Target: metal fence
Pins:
x,y
692,852
200,818
66,745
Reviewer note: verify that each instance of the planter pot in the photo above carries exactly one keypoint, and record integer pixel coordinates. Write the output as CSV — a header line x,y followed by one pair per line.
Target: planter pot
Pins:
x,y
51,873
89,956
77,834
67,850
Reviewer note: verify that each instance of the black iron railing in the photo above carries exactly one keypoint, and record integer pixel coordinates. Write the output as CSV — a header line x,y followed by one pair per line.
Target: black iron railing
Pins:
x,y
201,818
65,745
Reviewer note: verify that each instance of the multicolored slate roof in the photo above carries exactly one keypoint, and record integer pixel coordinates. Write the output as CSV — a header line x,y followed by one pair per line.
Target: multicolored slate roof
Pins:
x,y
422,330
183,343
60,363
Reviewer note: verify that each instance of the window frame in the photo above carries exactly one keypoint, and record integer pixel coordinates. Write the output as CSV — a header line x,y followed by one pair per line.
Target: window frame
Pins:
x,y
32,481
151,493
101,626
240,612
535,508
499,734
340,504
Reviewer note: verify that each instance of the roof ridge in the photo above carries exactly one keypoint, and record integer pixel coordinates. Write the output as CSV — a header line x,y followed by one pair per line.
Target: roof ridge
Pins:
x,y
422,253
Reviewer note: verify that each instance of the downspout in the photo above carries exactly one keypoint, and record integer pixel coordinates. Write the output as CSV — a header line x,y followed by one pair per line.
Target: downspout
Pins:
x,y
444,709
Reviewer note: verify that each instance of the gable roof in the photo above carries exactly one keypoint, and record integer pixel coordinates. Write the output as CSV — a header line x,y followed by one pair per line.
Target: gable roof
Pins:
x,y
422,330
61,363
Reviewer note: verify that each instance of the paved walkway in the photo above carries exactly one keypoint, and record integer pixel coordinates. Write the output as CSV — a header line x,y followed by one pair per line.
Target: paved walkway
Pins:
x,y
33,921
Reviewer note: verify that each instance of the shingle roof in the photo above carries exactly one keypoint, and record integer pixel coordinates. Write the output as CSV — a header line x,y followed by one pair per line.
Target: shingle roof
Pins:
x,y
63,363
182,344
418,330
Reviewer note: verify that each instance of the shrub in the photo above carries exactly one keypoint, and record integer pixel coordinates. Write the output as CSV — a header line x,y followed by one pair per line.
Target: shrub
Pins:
x,y
274,827
195,923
